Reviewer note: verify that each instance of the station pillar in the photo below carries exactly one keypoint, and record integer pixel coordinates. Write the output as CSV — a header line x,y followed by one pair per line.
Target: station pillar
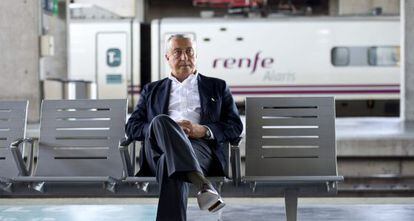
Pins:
x,y
407,60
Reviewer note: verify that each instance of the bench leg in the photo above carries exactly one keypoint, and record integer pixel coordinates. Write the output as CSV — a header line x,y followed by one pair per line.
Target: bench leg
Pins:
x,y
6,185
291,204
38,186
111,185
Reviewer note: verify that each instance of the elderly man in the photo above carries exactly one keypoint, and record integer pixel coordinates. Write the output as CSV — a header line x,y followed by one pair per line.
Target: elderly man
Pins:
x,y
184,119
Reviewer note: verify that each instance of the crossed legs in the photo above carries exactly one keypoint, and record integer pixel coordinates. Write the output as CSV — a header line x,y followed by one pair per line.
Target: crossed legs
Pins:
x,y
172,157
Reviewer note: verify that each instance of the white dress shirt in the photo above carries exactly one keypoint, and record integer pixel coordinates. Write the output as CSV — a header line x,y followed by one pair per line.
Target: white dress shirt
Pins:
x,y
185,100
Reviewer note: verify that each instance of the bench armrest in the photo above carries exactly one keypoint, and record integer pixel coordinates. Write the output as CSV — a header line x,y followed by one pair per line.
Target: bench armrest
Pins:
x,y
24,169
235,161
125,156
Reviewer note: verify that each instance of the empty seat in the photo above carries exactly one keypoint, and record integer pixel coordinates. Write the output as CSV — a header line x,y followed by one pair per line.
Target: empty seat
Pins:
x,y
290,143
79,142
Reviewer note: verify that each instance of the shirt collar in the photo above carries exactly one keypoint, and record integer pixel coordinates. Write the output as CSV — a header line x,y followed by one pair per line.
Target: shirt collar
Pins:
x,y
191,79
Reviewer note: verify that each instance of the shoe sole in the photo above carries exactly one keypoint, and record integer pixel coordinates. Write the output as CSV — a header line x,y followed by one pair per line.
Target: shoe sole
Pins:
x,y
217,206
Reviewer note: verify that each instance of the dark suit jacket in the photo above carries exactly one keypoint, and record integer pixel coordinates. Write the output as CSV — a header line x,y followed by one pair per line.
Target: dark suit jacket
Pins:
x,y
218,112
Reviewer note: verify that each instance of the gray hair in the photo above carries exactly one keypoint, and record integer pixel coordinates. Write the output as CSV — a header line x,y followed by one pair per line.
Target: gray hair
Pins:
x,y
179,36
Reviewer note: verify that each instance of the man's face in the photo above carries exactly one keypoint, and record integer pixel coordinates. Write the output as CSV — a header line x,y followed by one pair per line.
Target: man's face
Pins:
x,y
181,58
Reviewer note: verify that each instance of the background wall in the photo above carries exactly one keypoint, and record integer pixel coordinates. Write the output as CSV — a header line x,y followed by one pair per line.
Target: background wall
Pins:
x,y
19,47
124,8
55,66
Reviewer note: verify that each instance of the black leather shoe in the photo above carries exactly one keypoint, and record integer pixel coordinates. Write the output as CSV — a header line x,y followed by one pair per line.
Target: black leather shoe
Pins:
x,y
209,199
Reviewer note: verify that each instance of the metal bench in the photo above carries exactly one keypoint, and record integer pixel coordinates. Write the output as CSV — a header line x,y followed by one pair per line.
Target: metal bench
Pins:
x,y
13,117
78,144
291,148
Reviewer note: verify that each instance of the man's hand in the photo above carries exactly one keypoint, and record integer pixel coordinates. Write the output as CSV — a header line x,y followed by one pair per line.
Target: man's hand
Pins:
x,y
192,130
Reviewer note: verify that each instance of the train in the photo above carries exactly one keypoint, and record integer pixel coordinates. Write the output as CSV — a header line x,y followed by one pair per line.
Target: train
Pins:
x,y
356,59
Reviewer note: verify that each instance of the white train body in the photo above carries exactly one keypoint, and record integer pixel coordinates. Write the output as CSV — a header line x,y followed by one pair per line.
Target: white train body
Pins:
x,y
351,58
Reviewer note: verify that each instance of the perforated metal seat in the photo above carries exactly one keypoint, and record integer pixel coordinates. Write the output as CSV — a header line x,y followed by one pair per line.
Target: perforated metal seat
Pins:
x,y
79,142
290,142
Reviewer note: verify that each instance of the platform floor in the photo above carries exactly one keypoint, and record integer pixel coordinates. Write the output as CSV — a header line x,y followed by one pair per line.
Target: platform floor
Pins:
x,y
240,209
373,128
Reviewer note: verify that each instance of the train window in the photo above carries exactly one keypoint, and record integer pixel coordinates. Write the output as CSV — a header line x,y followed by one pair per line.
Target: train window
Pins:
x,y
384,56
365,56
340,56
358,56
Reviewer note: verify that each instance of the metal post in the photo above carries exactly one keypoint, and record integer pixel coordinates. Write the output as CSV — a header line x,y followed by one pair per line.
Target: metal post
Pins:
x,y
291,204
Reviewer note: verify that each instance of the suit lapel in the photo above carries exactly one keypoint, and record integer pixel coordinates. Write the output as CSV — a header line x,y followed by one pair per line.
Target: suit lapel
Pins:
x,y
204,91
164,99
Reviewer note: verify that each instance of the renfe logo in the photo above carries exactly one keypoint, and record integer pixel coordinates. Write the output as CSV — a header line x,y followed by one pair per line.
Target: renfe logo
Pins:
x,y
256,62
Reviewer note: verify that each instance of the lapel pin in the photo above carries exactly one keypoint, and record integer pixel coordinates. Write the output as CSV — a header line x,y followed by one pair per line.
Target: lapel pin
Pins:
x,y
212,99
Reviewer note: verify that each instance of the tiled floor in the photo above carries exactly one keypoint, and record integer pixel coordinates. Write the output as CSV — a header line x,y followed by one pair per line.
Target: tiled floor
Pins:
x,y
240,209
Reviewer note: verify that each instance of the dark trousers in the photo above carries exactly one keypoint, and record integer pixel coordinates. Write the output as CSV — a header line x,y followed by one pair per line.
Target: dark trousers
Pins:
x,y
171,155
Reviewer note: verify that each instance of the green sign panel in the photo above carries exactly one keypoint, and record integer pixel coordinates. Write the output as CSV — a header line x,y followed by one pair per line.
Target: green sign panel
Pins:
x,y
113,57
